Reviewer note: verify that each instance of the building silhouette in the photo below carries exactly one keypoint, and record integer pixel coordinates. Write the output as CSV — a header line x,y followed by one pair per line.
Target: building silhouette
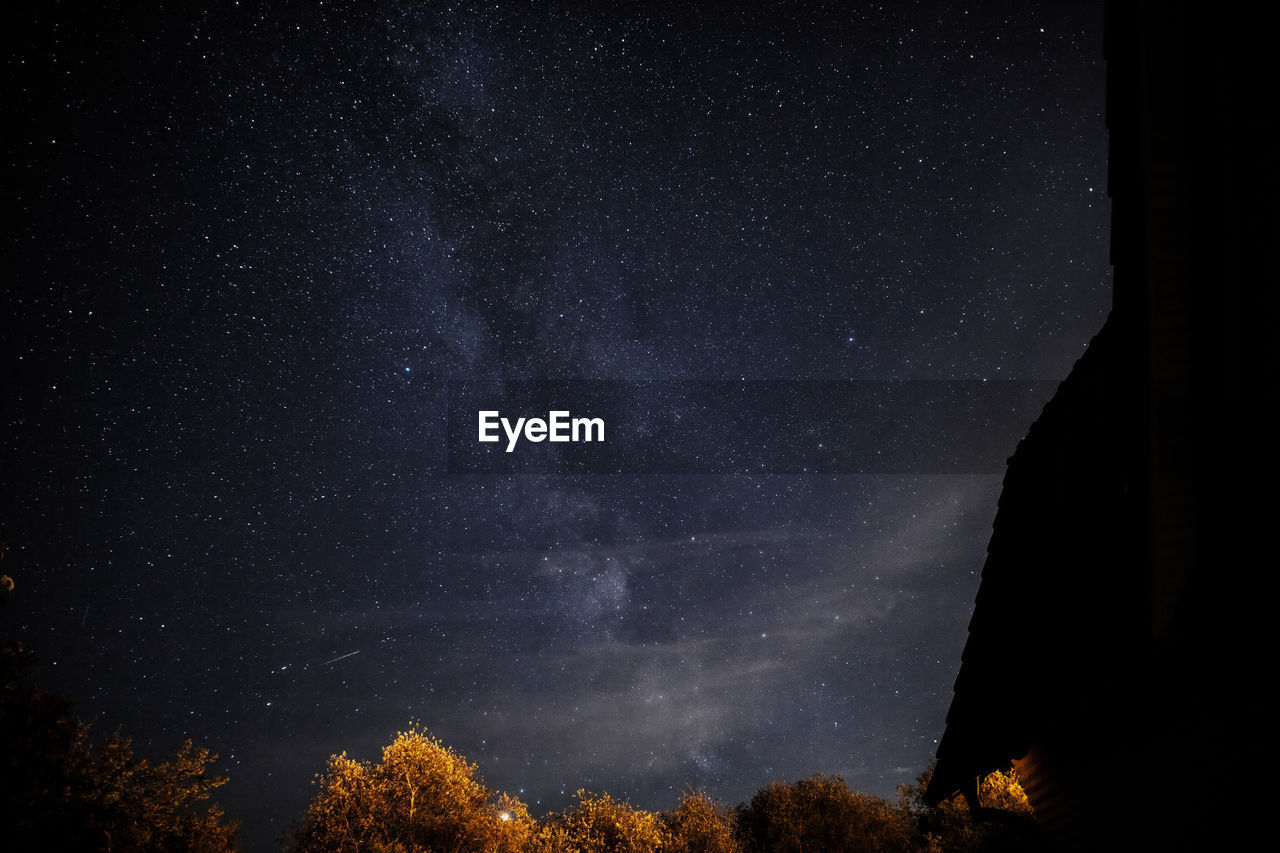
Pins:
x,y
1115,654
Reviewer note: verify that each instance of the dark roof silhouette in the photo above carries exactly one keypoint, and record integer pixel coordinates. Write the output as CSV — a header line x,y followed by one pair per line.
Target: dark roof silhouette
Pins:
x,y
1121,592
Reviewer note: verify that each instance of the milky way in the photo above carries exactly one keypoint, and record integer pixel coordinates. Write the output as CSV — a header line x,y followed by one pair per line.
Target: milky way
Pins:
x,y
254,248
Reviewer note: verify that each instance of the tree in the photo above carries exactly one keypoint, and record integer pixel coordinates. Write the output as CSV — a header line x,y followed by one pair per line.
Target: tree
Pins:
x,y
1003,790
700,825
821,813
597,823
950,825
61,791
421,796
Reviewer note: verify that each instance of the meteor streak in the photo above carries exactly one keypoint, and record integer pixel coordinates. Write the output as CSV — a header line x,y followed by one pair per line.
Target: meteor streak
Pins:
x,y
341,657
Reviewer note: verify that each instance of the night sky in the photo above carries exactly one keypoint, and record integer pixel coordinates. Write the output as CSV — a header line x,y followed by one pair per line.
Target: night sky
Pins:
x,y
250,250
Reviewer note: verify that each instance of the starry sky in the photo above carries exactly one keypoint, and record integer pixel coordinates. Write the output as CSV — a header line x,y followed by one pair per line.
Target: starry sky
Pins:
x,y
251,249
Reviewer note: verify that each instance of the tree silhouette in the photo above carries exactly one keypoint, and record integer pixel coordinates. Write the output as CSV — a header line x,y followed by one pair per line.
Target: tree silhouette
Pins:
x,y
61,791
821,813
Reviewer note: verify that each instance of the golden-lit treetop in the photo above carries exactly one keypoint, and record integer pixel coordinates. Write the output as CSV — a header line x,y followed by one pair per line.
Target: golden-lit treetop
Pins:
x,y
597,823
421,796
700,825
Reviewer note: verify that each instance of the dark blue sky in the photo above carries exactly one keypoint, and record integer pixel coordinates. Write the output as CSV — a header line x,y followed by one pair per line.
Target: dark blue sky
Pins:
x,y
252,248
